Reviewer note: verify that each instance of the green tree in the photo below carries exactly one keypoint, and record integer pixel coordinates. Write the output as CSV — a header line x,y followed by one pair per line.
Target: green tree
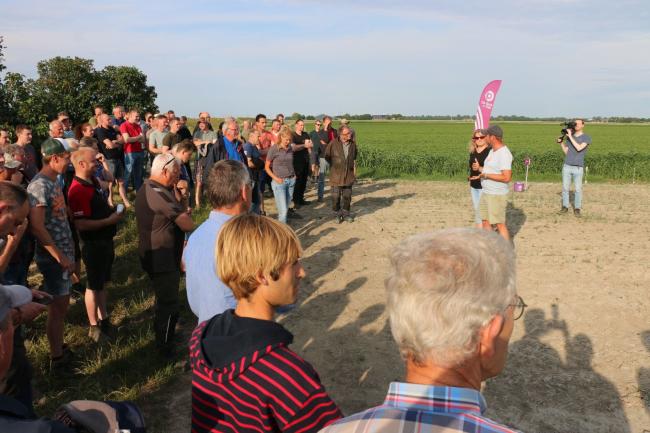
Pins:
x,y
296,116
66,84
127,86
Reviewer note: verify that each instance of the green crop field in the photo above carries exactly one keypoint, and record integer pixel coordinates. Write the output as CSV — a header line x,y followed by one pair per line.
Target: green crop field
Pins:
x,y
421,149
435,149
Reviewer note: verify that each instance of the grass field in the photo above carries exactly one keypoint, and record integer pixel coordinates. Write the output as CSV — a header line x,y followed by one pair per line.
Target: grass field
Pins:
x,y
438,150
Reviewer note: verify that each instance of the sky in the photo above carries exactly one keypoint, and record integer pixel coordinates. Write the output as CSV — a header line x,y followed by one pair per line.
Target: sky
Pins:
x,y
555,57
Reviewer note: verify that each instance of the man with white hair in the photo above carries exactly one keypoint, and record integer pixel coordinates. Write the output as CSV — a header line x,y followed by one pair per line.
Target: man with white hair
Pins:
x,y
162,222
452,304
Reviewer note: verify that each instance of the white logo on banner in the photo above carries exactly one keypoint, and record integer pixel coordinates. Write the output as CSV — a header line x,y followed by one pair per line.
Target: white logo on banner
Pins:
x,y
489,96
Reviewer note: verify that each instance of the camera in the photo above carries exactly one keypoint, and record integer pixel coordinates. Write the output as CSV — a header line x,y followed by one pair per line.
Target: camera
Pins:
x,y
570,125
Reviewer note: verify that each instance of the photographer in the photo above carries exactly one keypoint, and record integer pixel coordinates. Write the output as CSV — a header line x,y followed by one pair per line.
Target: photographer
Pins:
x,y
574,147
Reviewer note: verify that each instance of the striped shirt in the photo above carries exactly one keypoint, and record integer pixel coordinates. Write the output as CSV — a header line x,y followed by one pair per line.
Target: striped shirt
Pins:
x,y
270,390
424,409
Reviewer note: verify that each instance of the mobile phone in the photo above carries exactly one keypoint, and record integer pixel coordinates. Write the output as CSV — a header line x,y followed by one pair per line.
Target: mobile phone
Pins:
x,y
45,300
120,208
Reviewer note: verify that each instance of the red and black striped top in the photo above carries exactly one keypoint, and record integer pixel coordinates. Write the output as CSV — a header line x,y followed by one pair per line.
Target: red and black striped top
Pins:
x,y
269,389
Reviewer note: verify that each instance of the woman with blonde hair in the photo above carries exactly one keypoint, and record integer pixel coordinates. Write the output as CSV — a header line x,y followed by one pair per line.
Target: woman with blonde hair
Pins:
x,y
279,166
478,151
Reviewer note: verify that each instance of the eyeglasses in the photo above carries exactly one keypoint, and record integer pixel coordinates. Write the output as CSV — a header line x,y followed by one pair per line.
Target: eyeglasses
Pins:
x,y
317,124
480,137
518,307
167,163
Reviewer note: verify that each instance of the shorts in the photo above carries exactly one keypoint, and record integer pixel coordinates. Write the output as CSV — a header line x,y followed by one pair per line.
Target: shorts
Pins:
x,y
56,282
116,167
98,256
493,208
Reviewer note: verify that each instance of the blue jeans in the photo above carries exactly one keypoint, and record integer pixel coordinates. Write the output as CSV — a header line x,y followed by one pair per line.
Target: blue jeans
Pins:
x,y
476,199
133,165
283,193
323,167
572,173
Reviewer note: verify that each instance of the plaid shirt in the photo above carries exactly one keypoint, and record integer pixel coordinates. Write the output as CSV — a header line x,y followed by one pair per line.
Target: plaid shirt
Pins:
x,y
422,408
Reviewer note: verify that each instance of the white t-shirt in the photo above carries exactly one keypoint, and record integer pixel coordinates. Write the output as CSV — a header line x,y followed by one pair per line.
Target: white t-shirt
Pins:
x,y
495,163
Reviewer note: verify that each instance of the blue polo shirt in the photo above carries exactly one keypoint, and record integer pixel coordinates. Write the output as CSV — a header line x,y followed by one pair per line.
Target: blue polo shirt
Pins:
x,y
206,294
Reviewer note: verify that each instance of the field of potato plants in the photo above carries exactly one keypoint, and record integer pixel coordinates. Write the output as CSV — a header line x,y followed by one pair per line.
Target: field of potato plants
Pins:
x,y
438,150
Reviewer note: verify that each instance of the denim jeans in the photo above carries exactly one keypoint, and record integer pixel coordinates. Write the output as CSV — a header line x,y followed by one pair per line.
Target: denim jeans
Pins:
x,y
476,199
283,193
323,167
572,173
133,165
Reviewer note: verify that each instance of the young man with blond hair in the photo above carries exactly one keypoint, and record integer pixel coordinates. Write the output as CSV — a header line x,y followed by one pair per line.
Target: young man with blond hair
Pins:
x,y
245,377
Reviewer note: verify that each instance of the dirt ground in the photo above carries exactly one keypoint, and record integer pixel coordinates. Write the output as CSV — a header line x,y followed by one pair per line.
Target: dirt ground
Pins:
x,y
580,356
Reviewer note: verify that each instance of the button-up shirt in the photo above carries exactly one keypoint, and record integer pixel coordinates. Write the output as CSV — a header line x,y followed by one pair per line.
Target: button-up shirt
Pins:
x,y
206,293
422,408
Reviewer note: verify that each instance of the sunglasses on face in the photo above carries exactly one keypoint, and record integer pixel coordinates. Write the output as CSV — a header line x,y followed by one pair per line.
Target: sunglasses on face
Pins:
x,y
480,137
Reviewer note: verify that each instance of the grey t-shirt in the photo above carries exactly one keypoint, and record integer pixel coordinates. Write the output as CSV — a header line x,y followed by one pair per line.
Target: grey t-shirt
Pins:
x,y
573,157
44,192
282,161
156,138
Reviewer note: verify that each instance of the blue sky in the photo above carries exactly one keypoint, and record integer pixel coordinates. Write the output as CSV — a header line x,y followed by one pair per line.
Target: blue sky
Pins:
x,y
555,57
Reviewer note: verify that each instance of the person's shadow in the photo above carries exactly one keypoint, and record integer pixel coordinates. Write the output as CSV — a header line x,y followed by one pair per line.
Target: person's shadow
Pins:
x,y
537,392
515,219
644,374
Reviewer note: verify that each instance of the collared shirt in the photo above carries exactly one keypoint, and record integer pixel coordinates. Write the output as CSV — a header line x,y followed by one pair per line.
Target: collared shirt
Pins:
x,y
206,294
422,408
160,240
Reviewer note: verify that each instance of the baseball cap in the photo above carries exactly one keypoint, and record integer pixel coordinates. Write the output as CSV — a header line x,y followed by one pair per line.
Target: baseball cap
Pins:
x,y
103,416
10,161
12,297
52,146
495,130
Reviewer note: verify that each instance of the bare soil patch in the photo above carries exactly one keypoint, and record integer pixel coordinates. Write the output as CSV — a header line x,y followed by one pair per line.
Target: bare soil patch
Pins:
x,y
580,356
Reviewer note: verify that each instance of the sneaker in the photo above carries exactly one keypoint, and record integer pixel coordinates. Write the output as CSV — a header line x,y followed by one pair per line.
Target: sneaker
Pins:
x,y
341,218
349,219
576,212
293,215
320,199
305,203
563,210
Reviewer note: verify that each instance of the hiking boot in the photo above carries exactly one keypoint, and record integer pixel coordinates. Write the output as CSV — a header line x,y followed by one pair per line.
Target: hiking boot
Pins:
x,y
107,327
63,361
293,214
576,212
563,210
95,333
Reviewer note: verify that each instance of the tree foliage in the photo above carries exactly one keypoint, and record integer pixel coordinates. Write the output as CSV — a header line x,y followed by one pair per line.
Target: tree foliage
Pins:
x,y
70,84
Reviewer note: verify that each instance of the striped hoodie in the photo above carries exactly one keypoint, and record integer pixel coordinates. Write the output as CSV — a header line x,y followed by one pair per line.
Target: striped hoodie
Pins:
x,y
246,379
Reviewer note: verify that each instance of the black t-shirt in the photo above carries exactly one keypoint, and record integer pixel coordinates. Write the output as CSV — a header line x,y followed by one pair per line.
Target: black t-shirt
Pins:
x,y
300,156
160,240
108,134
481,161
185,133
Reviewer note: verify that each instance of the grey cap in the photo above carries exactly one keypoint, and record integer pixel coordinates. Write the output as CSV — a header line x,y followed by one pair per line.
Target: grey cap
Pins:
x,y
495,130
11,162
12,297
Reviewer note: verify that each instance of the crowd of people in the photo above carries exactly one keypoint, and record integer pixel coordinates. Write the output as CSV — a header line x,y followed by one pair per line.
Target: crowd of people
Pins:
x,y
451,294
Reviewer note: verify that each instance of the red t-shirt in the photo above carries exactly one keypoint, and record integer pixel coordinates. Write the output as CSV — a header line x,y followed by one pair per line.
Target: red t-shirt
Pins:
x,y
133,129
266,139
87,202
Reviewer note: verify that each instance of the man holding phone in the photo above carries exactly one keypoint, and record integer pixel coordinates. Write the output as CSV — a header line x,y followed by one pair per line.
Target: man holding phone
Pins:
x,y
96,222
